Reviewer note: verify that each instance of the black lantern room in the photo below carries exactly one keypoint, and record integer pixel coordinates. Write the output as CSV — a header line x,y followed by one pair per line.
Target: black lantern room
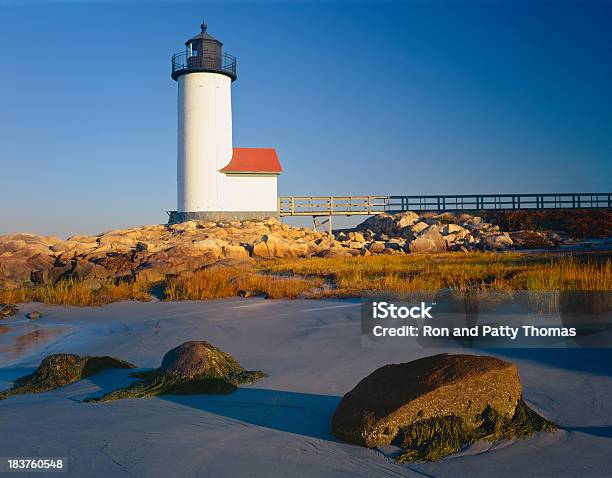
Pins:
x,y
204,54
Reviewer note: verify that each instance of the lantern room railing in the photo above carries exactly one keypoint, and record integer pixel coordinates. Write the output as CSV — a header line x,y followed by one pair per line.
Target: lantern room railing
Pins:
x,y
185,62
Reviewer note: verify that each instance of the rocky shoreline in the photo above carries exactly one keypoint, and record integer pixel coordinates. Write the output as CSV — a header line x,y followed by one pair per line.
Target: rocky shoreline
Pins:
x,y
151,253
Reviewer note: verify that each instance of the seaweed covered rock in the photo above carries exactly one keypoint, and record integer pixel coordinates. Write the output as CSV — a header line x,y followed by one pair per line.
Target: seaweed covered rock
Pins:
x,y
436,405
8,310
195,367
58,370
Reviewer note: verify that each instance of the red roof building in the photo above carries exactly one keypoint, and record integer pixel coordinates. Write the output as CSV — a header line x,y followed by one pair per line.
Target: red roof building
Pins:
x,y
253,161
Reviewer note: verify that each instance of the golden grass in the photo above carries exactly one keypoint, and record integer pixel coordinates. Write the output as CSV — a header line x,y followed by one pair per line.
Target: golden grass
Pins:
x,y
349,277
473,271
216,283
569,274
71,292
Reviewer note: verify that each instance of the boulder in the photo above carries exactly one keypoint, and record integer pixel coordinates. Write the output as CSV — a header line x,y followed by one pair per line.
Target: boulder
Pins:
x,y
356,236
450,238
58,370
15,269
116,240
336,252
452,229
209,247
90,270
419,227
395,396
388,251
376,247
70,249
234,251
184,227
496,241
152,273
324,242
272,246
429,241
194,367
12,245
382,223
34,315
405,219
8,310
427,402
393,245
474,223
261,249
342,236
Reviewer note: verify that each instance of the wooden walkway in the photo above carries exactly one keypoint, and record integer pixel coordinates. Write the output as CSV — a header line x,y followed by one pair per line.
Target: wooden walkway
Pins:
x,y
317,206
368,205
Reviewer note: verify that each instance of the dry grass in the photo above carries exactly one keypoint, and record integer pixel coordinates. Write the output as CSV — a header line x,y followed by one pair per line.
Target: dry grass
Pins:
x,y
474,271
568,274
216,283
349,277
71,292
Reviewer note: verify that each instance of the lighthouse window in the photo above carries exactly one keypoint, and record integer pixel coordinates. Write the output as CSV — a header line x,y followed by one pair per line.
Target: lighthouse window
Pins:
x,y
192,50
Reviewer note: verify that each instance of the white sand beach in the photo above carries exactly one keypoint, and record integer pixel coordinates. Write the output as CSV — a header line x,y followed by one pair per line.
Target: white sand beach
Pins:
x,y
279,426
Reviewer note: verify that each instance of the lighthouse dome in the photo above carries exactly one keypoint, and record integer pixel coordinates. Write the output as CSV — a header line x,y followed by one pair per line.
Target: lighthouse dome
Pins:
x,y
203,36
204,54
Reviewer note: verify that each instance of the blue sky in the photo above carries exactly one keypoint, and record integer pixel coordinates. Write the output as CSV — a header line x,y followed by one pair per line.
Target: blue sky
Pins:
x,y
357,98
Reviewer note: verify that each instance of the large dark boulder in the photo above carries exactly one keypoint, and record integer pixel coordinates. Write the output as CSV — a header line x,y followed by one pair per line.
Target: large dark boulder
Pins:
x,y
457,393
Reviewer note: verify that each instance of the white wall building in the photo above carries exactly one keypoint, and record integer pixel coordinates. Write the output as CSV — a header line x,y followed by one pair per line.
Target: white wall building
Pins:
x,y
216,181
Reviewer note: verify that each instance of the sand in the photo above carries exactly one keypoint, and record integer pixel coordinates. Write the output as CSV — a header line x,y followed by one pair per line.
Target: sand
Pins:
x,y
278,426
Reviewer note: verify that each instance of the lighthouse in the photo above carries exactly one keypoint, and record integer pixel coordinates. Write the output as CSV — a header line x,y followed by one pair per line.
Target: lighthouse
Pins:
x,y
215,180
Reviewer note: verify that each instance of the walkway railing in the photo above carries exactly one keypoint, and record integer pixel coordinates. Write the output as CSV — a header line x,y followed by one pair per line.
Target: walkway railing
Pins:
x,y
368,205
185,62
332,205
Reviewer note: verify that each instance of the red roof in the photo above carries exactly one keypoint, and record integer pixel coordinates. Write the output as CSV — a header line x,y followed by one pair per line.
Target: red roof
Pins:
x,y
253,160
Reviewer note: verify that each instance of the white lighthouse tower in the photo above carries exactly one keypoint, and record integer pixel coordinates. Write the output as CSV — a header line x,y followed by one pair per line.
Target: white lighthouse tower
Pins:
x,y
215,181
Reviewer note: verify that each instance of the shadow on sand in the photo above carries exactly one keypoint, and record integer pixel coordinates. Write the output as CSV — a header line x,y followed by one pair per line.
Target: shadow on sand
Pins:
x,y
604,431
300,413
594,361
